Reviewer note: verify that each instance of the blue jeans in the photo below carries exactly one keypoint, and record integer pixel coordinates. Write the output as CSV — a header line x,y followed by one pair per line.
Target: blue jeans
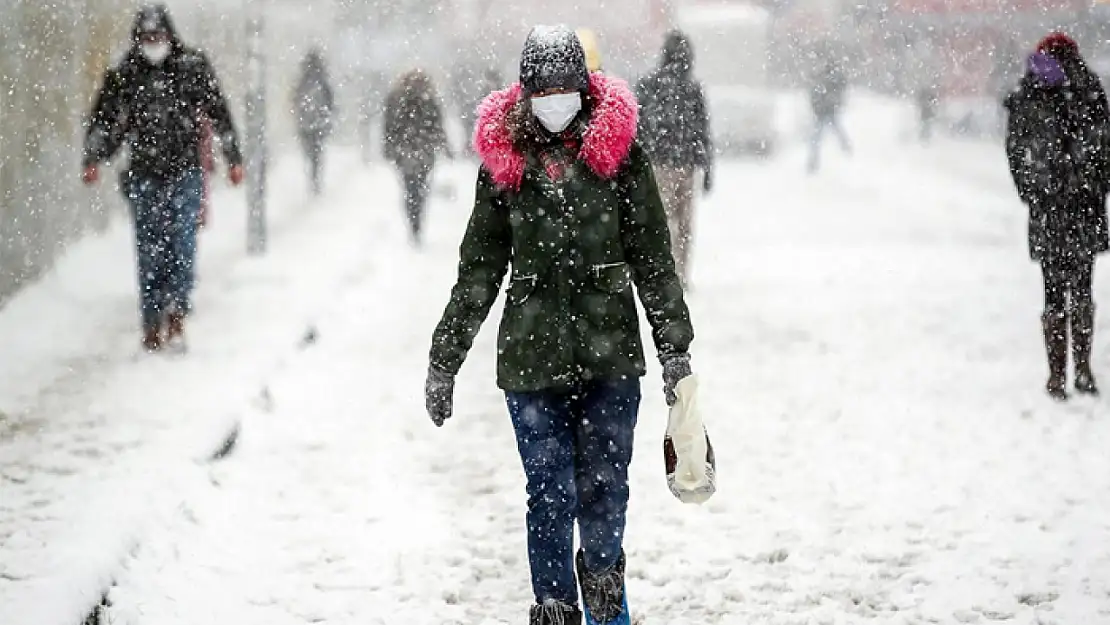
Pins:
x,y
576,447
165,215
821,124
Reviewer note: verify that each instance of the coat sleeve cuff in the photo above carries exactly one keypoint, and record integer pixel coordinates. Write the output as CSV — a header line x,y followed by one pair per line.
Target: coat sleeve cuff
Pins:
x,y
665,357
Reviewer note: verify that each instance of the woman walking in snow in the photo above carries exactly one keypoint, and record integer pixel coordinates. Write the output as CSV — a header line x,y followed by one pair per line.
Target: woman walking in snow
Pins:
x,y
1057,144
567,197
413,134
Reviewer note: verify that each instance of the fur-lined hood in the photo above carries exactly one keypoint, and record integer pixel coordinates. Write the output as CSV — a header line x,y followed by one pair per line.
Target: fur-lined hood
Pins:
x,y
606,141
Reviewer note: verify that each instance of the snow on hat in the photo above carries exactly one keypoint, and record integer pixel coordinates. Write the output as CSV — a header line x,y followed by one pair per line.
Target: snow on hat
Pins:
x,y
553,58
153,19
1057,42
677,50
1046,69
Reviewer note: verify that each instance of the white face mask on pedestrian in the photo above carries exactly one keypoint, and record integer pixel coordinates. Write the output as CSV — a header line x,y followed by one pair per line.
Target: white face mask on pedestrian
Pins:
x,y
557,111
156,51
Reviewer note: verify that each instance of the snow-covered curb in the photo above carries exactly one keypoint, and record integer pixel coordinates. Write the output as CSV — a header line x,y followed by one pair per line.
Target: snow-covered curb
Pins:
x,y
106,440
112,523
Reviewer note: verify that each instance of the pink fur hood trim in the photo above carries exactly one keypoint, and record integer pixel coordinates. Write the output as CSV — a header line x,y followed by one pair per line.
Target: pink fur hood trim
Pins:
x,y
605,143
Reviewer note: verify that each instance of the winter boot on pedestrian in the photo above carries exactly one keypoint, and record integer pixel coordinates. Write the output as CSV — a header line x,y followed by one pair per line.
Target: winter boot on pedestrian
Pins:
x,y
175,329
1082,334
1055,325
603,593
554,613
152,339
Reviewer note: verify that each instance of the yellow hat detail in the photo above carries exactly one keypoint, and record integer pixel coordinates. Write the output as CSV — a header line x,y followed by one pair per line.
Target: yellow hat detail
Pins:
x,y
590,45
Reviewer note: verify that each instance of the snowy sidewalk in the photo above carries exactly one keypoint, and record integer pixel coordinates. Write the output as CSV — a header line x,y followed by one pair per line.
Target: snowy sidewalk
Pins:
x,y
94,435
869,347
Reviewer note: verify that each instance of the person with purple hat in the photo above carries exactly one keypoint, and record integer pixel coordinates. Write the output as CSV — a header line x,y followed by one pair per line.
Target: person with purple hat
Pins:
x,y
1058,146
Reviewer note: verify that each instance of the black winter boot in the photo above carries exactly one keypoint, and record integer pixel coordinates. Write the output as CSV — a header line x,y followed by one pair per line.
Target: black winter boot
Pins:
x,y
1082,334
554,613
1055,326
602,592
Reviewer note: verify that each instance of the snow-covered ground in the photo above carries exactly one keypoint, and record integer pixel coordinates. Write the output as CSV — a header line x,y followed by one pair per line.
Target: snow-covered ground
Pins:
x,y
869,347
93,434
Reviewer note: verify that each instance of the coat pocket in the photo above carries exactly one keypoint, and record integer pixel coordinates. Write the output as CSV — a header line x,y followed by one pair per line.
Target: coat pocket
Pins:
x,y
521,288
612,278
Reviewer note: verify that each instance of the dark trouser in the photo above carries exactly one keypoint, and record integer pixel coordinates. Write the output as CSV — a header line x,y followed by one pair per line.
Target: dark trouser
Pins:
x,y
416,182
1069,304
1067,284
165,214
576,447
314,151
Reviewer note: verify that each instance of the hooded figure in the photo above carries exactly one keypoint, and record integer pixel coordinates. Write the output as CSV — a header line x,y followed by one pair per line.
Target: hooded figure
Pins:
x,y
1058,145
314,107
566,203
674,129
157,102
413,134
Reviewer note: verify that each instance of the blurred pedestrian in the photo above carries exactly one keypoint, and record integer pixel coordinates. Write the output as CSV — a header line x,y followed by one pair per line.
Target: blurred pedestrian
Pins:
x,y
470,95
567,198
155,101
927,70
828,86
465,93
1057,144
314,108
413,134
674,130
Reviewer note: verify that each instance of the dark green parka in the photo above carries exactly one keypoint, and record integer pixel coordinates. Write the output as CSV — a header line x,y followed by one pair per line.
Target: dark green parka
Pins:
x,y
577,245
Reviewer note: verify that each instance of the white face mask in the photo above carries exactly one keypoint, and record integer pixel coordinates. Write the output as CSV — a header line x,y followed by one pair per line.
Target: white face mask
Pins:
x,y
556,112
156,52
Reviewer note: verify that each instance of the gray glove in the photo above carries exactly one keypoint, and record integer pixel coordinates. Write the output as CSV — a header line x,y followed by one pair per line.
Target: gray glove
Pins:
x,y
439,393
676,367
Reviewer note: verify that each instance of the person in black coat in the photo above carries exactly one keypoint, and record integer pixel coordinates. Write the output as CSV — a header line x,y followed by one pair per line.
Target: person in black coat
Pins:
x,y
674,131
413,132
1057,145
314,107
157,102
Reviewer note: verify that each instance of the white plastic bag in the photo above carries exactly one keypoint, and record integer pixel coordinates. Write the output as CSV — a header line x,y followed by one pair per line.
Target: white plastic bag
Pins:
x,y
687,452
